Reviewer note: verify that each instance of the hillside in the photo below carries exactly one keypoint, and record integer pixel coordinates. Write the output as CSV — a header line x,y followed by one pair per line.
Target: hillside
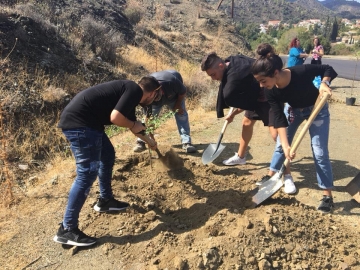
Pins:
x,y
343,8
50,51
261,11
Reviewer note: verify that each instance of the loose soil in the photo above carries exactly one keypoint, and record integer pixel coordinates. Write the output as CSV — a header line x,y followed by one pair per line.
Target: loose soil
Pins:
x,y
197,216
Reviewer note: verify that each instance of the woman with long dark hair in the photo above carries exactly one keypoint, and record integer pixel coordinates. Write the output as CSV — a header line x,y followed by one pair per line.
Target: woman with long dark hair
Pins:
x,y
295,86
317,52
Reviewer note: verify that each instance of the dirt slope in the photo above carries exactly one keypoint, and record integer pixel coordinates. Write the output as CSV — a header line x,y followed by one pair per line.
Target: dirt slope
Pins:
x,y
198,216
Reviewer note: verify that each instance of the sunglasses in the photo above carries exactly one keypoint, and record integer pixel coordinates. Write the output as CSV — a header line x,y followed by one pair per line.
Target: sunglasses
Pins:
x,y
157,94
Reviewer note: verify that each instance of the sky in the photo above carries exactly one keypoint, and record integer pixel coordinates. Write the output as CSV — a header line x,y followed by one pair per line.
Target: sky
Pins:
x,y
346,0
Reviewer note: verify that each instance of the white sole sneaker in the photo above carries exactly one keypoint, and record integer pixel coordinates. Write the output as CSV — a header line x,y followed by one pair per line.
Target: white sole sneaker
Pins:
x,y
234,160
289,186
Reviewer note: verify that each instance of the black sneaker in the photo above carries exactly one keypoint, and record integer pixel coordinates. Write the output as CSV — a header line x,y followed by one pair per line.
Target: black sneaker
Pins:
x,y
73,237
110,205
189,148
263,180
326,205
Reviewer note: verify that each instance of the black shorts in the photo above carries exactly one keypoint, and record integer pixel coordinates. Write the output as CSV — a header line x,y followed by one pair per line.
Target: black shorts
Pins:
x,y
263,112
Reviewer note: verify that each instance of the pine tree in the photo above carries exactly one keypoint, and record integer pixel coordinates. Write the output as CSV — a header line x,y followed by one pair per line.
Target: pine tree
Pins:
x,y
335,30
326,32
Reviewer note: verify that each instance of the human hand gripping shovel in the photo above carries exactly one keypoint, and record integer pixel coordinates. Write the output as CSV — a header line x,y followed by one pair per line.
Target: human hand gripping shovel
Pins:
x,y
215,149
146,138
171,160
271,186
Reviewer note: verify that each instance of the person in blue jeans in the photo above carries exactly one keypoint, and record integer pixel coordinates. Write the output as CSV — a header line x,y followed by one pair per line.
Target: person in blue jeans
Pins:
x,y
82,122
172,94
295,86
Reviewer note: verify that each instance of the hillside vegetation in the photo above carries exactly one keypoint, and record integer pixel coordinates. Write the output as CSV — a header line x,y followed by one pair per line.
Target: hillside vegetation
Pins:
x,y
343,8
261,11
51,50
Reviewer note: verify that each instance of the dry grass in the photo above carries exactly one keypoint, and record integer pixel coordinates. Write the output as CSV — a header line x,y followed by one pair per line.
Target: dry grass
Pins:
x,y
6,176
201,90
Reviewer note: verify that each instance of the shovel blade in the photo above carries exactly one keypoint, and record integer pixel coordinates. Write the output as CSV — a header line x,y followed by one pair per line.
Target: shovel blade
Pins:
x,y
353,188
267,189
210,153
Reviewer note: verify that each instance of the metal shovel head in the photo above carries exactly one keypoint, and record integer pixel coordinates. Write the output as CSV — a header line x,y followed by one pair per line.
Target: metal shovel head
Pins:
x,y
268,189
211,153
353,188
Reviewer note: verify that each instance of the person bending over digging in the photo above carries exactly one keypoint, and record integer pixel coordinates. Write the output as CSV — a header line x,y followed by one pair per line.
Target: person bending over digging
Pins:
x,y
239,89
295,86
172,94
82,122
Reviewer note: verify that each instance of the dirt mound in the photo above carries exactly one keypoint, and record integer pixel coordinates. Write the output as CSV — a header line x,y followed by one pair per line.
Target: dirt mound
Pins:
x,y
195,216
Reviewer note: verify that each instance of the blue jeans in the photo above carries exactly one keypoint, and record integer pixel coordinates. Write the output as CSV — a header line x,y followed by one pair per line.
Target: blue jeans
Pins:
x,y
95,156
182,121
319,134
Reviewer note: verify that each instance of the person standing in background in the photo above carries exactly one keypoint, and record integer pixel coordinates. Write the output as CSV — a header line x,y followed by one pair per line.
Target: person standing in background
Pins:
x,y
297,55
317,52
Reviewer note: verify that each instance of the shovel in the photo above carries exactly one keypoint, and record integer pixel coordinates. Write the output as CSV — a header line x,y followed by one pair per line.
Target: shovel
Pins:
x,y
215,149
271,186
353,188
142,135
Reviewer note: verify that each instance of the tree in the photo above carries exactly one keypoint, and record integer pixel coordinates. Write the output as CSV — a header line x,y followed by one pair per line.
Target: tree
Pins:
x,y
326,32
250,32
316,30
263,38
335,30
284,41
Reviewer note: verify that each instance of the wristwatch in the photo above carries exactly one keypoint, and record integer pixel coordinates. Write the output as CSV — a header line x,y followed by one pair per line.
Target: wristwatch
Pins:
x,y
326,82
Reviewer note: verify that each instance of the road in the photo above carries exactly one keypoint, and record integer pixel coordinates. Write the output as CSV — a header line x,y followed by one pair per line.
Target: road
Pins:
x,y
347,69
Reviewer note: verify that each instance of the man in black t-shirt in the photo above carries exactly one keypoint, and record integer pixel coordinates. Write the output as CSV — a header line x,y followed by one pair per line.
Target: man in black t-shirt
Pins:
x,y
82,122
239,89
172,94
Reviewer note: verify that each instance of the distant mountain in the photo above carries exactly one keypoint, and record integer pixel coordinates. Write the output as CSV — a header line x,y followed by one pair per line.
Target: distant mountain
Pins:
x,y
261,11
343,8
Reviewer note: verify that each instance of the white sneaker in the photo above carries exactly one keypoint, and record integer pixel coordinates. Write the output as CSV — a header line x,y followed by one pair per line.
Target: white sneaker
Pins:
x,y
139,147
234,160
289,187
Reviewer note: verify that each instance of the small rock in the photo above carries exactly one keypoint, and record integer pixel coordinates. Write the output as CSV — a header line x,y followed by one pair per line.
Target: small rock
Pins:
x,y
179,263
73,250
343,266
275,264
150,216
264,265
350,260
275,230
23,167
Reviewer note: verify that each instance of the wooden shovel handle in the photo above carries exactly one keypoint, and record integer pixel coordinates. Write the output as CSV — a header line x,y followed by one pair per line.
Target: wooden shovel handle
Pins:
x,y
227,122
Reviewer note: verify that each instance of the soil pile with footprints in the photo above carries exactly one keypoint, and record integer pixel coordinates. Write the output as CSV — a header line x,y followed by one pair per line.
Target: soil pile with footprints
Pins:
x,y
196,216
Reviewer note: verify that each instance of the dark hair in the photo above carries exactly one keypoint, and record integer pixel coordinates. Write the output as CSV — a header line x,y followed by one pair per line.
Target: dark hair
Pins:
x,y
318,40
293,42
149,84
210,60
267,62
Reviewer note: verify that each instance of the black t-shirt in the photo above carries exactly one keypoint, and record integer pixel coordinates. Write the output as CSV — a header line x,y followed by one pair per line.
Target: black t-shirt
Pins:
x,y
92,107
299,93
238,87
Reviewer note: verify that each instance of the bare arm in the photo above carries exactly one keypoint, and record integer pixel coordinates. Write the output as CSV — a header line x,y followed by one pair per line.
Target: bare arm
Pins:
x,y
285,143
117,118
